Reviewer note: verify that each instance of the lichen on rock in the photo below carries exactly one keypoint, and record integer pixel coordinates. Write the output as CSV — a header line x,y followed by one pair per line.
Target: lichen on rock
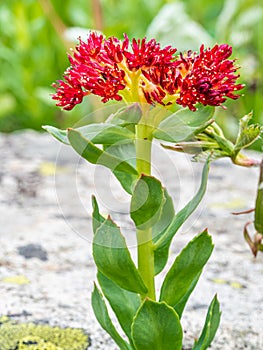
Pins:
x,y
30,336
36,343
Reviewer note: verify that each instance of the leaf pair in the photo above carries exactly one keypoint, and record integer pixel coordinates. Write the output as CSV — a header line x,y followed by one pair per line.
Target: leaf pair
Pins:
x,y
118,277
151,206
120,282
149,326
212,143
154,326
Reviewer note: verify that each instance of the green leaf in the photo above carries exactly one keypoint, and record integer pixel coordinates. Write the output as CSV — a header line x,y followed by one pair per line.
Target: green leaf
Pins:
x,y
184,124
106,133
162,244
185,269
101,313
259,203
97,218
192,147
60,135
113,259
211,324
95,155
124,303
125,152
146,203
247,134
156,326
127,115
161,256
102,133
127,180
166,217
223,144
181,304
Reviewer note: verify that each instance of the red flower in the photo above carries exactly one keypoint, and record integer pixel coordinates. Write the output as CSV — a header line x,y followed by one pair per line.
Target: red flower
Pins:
x,y
68,94
106,67
207,78
148,54
146,73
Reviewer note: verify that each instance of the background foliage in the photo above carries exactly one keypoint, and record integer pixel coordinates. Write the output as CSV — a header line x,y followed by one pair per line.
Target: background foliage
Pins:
x,y
36,34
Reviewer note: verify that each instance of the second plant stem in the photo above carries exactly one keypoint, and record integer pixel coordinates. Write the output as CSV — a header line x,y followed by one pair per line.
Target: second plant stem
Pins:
x,y
144,237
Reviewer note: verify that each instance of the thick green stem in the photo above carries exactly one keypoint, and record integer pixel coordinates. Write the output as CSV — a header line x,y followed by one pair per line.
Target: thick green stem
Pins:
x,y
144,237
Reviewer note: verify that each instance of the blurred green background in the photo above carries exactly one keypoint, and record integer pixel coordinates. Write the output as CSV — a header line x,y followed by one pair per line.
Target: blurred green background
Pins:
x,y
35,36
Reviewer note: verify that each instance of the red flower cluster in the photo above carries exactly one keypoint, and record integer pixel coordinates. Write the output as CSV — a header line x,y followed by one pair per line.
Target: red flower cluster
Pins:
x,y
147,73
207,78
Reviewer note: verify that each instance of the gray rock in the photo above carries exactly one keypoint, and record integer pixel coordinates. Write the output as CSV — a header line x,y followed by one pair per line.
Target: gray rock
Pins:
x,y
56,213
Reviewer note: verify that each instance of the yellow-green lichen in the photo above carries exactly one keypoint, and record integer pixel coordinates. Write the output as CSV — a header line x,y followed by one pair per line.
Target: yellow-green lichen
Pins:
x,y
36,343
29,336
20,280
4,319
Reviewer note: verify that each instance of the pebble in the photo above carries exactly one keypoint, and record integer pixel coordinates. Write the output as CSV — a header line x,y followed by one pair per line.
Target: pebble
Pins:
x,y
30,251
